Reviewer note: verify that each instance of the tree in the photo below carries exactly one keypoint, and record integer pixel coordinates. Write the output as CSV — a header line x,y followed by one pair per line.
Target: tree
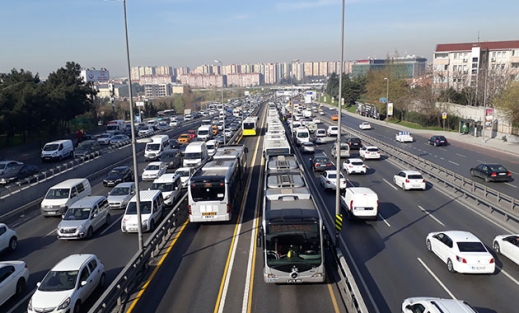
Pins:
x,y
508,101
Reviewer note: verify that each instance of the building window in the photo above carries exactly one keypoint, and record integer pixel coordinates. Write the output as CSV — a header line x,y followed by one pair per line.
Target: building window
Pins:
x,y
454,68
515,64
475,60
441,55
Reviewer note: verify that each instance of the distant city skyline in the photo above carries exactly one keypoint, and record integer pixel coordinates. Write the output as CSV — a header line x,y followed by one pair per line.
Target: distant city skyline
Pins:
x,y
41,36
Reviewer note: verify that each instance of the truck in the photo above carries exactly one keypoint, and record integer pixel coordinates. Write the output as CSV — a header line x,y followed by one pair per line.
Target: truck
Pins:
x,y
116,127
187,115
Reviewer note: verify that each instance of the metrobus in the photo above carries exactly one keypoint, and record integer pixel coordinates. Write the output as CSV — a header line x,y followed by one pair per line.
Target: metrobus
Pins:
x,y
276,147
249,126
292,232
215,191
233,152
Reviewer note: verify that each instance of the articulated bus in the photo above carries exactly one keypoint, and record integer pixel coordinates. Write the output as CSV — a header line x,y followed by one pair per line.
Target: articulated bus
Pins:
x,y
233,152
215,191
292,233
273,147
249,126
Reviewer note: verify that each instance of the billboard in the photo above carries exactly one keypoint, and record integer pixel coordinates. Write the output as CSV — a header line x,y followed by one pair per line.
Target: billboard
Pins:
x,y
95,76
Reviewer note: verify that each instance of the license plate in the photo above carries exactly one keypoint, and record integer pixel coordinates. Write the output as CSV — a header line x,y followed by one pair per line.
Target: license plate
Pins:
x,y
132,229
294,281
208,213
478,268
51,213
416,186
502,174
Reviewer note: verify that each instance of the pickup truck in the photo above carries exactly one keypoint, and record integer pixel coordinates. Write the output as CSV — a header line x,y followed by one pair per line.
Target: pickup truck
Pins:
x,y
404,136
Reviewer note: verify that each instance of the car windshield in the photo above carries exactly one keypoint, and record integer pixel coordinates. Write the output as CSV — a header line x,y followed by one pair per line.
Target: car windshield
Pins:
x,y
193,155
182,173
61,193
152,167
497,168
210,147
116,172
132,208
167,157
321,160
414,176
471,246
357,163
13,169
59,281
51,147
75,214
104,136
120,191
163,187
372,149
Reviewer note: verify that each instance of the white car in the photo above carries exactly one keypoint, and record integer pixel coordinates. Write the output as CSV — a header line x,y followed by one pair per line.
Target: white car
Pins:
x,y
508,245
120,195
104,139
404,137
68,284
8,238
185,173
369,153
145,130
409,180
328,180
321,112
212,146
365,125
307,147
14,276
320,132
332,130
354,166
316,120
435,305
461,251
153,171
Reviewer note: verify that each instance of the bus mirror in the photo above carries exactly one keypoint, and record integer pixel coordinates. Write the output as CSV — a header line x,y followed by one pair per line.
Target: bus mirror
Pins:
x,y
246,150
259,238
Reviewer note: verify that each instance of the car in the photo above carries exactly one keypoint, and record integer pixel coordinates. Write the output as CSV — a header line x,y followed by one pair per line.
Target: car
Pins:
x,y
328,180
354,143
491,172
86,147
174,144
83,218
104,139
404,136
145,130
461,251
118,175
13,279
365,125
335,117
436,305
191,133
354,166
320,132
212,146
321,112
119,138
507,245
8,164
369,153
320,163
68,284
316,120
162,125
172,158
438,141
344,150
120,195
184,139
409,180
174,123
332,131
153,171
219,139
8,238
18,172
307,147
228,132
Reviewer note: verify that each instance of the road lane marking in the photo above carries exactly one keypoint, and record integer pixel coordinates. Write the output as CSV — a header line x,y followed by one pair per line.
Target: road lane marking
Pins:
x,y
461,155
442,158
437,279
510,185
110,226
508,275
390,184
443,149
387,223
481,161
514,172
454,163
430,215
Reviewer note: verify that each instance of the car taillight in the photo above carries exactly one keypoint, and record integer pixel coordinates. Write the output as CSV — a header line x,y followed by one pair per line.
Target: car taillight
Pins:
x,y
423,180
351,205
491,261
228,208
316,165
407,180
364,166
329,164
350,166
508,174
189,210
328,182
460,259
494,174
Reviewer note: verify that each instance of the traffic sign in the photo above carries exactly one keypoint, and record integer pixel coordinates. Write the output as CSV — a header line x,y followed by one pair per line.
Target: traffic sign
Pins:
x,y
444,115
139,103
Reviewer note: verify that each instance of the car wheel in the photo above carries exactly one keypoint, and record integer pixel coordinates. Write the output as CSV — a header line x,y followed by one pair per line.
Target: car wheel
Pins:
x,y
20,286
487,179
13,244
450,266
497,248
403,187
90,232
435,144
152,226
428,245
472,173
102,282
77,307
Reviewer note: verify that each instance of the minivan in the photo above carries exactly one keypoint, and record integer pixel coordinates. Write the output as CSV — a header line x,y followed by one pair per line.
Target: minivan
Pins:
x,y
172,158
84,217
61,196
151,209
205,132
156,147
196,154
170,185
57,150
361,203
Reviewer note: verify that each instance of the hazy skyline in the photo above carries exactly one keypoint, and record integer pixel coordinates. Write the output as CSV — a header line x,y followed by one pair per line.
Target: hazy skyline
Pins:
x,y
41,36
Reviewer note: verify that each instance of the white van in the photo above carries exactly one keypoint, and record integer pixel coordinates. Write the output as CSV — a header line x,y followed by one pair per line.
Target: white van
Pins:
x,y
154,149
301,134
205,132
61,196
151,207
361,203
57,150
170,185
195,154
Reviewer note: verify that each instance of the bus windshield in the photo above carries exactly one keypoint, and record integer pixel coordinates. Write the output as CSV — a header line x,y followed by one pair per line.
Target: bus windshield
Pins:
x,y
249,125
287,244
207,192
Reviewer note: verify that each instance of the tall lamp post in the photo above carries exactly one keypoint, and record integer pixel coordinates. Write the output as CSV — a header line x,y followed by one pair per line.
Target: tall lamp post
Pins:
x,y
338,149
132,127
291,94
221,73
387,99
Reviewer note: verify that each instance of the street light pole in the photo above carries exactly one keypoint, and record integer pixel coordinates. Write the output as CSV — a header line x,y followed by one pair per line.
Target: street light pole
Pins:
x,y
291,101
387,99
223,107
338,144
132,127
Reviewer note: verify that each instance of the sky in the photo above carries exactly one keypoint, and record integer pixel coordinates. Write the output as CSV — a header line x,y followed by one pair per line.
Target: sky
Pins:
x,y
42,35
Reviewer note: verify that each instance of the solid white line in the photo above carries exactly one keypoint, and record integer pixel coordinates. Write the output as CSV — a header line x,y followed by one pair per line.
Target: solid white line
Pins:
x,y
112,224
514,172
508,275
510,185
51,232
442,149
390,184
461,155
454,163
430,215
387,223
437,279
481,161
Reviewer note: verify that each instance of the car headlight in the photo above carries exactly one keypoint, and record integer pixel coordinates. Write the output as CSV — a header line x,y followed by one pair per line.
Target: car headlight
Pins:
x,y
167,197
144,221
54,153
29,306
64,304
81,227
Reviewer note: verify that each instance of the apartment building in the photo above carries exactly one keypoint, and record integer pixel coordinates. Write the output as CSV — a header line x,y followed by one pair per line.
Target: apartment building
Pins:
x,y
244,80
203,80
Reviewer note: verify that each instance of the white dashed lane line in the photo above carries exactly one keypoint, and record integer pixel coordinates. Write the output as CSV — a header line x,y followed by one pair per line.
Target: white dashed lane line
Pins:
x,y
461,155
454,163
431,216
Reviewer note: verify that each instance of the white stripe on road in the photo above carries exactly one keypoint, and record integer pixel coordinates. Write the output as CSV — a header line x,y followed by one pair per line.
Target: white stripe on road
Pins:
x,y
461,155
508,275
454,163
430,215
442,149
390,184
481,161
510,185
437,279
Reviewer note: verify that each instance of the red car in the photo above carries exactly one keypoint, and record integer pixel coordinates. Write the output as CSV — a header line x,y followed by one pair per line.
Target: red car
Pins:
x,y
192,133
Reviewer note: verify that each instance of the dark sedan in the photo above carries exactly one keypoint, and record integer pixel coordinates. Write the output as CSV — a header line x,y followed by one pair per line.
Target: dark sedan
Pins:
x,y
172,158
321,163
174,144
17,172
491,172
354,143
118,175
438,141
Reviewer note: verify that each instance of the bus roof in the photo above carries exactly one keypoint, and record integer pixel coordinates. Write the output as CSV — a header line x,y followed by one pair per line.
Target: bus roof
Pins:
x,y
282,162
